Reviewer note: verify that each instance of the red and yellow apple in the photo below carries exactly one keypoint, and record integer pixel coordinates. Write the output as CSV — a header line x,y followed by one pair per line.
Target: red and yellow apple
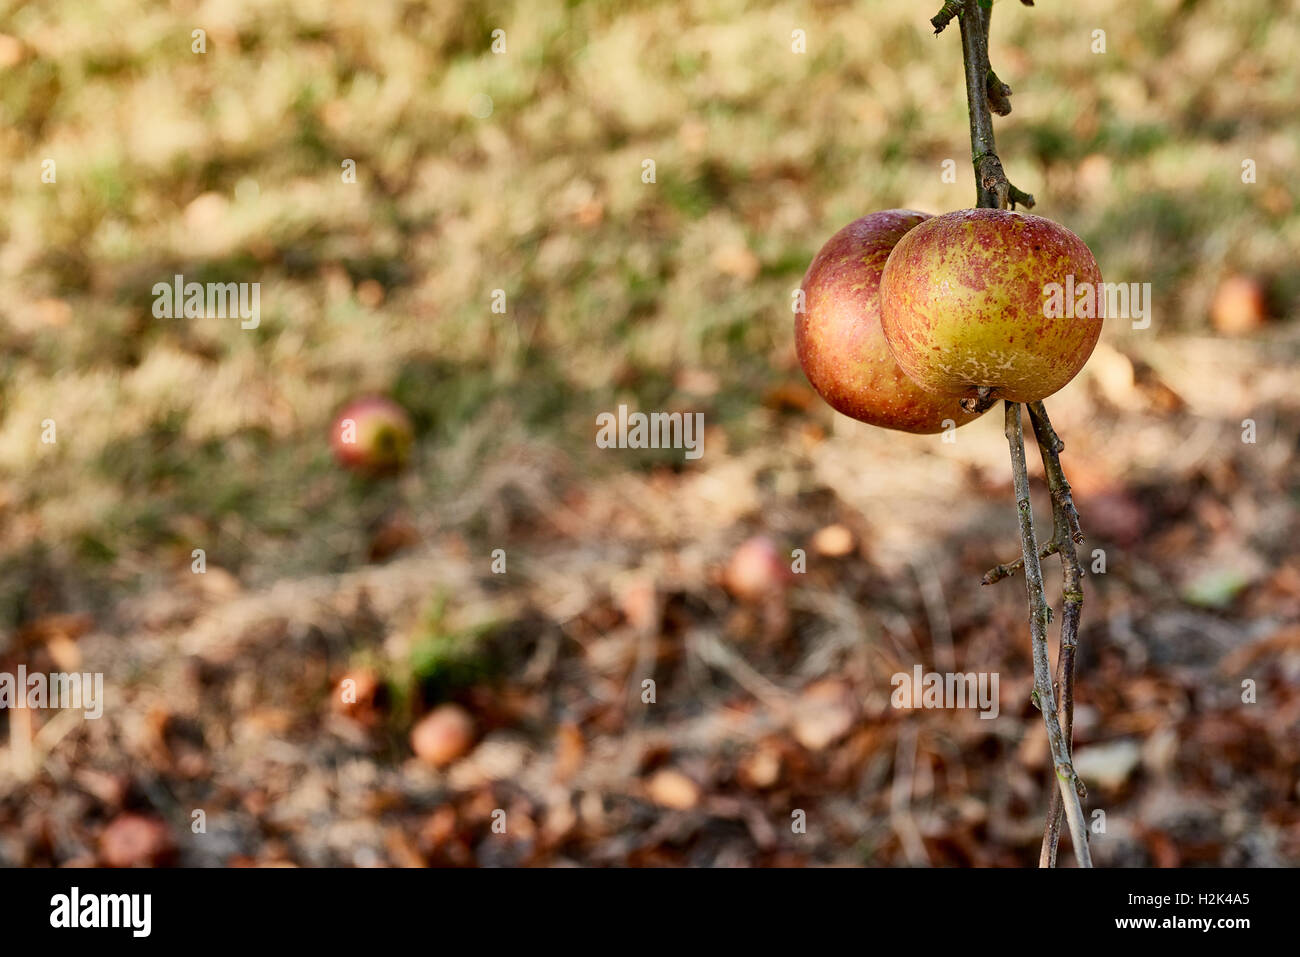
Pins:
x,y
838,334
372,435
757,571
990,304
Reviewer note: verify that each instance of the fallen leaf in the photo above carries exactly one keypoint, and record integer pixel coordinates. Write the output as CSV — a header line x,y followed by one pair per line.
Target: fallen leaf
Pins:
x,y
823,714
672,789
833,541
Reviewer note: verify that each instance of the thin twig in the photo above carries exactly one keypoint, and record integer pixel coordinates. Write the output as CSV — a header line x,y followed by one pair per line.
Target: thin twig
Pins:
x,y
1066,528
941,19
900,798
936,613
1060,488
987,94
1066,779
1007,569
995,190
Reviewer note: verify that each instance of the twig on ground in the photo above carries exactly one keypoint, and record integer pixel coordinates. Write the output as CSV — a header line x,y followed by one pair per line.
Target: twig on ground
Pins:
x,y
936,612
900,798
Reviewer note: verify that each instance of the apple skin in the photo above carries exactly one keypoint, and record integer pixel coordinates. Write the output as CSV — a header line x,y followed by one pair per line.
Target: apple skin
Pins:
x,y
382,435
962,305
838,336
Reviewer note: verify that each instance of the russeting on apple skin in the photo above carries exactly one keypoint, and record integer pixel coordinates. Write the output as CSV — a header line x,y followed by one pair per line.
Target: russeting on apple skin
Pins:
x,y
990,298
838,336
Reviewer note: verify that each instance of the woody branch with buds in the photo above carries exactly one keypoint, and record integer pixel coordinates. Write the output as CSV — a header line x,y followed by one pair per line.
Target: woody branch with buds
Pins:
x,y
986,94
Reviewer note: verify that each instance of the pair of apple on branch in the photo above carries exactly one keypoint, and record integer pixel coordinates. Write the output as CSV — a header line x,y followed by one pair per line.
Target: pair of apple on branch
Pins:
x,y
921,323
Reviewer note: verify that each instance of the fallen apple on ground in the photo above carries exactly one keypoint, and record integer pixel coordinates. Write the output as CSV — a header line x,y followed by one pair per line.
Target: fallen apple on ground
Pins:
x,y
443,735
372,435
1239,307
757,571
839,339
987,304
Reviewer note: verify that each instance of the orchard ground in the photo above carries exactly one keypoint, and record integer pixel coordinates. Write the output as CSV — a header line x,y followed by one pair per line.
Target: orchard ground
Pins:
x,y
523,172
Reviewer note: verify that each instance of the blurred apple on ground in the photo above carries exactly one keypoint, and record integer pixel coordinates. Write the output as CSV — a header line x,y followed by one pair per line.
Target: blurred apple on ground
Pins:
x,y
443,736
757,571
372,435
1239,307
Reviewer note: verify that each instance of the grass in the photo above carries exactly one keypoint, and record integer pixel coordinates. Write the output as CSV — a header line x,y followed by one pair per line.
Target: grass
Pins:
x,y
225,166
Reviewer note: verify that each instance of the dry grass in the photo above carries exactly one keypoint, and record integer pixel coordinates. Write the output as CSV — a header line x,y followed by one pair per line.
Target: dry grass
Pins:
x,y
225,166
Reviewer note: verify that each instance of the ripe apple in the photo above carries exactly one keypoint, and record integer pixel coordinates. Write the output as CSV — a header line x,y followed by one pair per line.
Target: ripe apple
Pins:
x,y
838,336
372,435
443,735
757,571
988,304
136,840
1240,306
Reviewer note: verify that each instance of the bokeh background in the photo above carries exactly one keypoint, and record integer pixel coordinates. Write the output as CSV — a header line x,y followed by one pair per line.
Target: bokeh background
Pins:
x,y
522,171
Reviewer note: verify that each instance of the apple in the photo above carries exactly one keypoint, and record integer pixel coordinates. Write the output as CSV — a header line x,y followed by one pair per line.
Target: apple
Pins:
x,y
372,435
988,304
1240,306
756,571
443,735
839,339
136,840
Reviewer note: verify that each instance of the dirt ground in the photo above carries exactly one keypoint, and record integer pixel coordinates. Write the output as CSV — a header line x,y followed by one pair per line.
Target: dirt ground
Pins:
x,y
761,711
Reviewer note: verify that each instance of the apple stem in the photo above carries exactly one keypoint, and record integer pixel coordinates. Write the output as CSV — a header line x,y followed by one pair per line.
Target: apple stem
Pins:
x,y
982,401
1039,614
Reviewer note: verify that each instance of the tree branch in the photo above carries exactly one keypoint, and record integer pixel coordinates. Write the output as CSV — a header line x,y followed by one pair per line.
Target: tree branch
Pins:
x,y
1066,536
987,94
1062,496
994,189
1066,779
